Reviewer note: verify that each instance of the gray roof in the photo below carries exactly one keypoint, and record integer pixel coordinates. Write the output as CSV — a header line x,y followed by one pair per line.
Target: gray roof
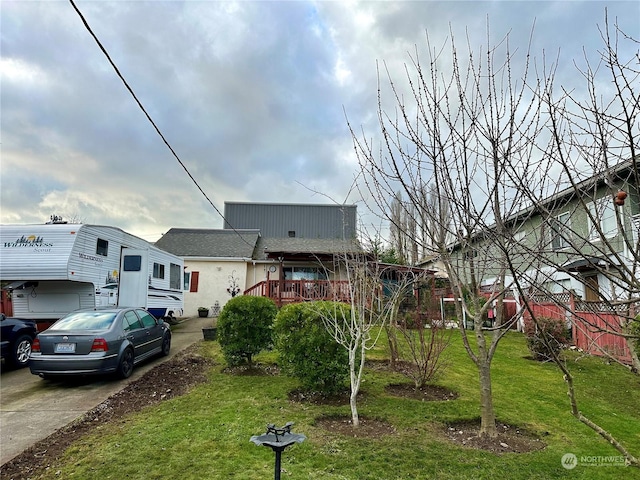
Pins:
x,y
193,242
315,246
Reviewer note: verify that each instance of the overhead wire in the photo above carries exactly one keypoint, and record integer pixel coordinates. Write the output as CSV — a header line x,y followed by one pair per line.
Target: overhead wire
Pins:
x,y
166,142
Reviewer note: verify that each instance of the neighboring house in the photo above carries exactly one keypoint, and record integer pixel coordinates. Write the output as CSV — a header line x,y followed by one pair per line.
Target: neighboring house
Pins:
x,y
564,228
435,264
283,251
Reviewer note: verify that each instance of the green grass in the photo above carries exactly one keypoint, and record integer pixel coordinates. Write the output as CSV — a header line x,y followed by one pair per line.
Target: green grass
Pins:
x,y
205,434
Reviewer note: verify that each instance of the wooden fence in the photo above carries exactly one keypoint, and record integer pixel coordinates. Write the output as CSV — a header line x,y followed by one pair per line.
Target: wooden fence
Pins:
x,y
590,323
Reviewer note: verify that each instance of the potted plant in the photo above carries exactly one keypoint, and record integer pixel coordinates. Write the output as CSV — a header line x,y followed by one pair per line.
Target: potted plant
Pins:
x,y
211,332
203,311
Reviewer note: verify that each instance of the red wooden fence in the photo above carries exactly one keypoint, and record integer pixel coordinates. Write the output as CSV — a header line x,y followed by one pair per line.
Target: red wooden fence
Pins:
x,y
590,323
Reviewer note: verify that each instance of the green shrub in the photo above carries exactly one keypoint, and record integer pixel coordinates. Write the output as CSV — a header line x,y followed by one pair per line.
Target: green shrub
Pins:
x,y
548,337
244,328
307,350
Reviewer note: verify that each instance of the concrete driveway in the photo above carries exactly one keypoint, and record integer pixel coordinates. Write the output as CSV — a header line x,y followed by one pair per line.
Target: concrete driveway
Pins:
x,y
31,409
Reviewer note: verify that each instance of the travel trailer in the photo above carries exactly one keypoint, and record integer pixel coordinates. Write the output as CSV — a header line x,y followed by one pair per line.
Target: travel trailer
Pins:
x,y
52,269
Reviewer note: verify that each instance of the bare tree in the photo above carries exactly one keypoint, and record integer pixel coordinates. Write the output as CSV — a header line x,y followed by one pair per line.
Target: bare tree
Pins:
x,y
595,241
374,292
501,149
426,339
599,133
464,132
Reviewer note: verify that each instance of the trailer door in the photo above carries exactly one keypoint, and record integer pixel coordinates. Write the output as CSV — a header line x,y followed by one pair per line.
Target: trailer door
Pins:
x,y
134,278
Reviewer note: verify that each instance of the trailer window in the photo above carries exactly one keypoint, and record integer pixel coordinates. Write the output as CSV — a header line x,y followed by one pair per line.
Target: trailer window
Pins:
x,y
158,270
175,276
102,247
132,263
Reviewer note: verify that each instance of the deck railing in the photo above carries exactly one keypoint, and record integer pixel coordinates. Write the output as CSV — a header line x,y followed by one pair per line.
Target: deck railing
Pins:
x,y
296,291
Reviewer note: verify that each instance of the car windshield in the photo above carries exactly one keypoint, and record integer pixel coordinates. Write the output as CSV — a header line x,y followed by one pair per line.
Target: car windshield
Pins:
x,y
85,321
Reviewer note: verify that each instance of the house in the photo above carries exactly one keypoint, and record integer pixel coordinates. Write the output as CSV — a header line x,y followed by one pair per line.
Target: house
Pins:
x,y
579,236
577,255
282,251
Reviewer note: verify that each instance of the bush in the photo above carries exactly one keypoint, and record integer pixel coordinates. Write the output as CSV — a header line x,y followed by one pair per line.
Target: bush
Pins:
x,y
425,342
548,337
244,328
307,350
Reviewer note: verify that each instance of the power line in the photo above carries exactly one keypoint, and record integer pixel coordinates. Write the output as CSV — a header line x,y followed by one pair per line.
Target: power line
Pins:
x,y
166,142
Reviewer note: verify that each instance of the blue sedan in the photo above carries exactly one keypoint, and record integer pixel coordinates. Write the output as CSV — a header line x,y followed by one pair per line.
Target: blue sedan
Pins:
x,y
98,341
16,338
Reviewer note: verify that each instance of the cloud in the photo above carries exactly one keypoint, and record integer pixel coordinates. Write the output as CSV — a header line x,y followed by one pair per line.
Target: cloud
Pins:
x,y
252,96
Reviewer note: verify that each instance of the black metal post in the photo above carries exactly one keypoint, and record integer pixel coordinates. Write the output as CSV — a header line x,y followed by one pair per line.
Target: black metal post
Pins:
x,y
276,474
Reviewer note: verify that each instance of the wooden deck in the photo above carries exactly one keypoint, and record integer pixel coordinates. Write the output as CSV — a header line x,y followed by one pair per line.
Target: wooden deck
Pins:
x,y
296,291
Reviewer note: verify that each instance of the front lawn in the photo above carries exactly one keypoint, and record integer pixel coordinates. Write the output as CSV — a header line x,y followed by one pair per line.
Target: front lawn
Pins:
x,y
205,434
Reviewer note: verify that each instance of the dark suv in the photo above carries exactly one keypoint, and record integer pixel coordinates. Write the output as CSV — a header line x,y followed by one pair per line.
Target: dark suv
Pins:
x,y
16,338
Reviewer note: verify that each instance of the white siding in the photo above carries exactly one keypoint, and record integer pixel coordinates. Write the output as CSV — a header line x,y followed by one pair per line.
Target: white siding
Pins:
x,y
35,252
212,283
68,254
52,299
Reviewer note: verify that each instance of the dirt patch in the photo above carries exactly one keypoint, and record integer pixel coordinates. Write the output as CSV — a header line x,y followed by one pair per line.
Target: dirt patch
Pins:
x,y
368,427
169,379
428,393
255,370
300,395
510,439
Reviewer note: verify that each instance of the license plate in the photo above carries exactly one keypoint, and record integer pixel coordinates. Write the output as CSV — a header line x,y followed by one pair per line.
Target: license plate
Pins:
x,y
65,348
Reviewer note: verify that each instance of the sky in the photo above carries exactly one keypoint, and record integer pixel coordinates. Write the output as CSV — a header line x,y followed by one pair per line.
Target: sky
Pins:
x,y
252,96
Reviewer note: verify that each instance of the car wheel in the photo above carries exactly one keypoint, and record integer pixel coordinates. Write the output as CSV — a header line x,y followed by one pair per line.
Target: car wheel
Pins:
x,y
166,344
125,367
21,351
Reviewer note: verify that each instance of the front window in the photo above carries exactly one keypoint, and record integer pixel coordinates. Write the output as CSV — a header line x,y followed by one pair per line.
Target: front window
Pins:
x,y
304,273
604,212
560,231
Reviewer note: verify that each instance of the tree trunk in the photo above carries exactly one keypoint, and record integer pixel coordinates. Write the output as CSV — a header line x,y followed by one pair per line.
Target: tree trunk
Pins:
x,y
487,413
633,353
355,420
355,386
393,345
